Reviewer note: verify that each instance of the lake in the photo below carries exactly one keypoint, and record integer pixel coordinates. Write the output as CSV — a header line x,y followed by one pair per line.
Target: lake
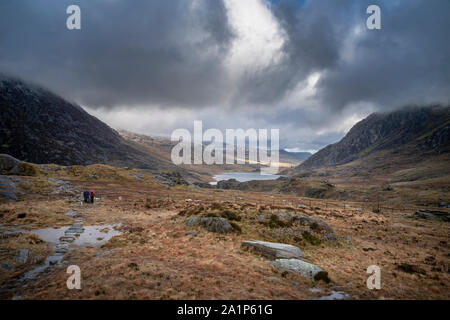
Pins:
x,y
243,176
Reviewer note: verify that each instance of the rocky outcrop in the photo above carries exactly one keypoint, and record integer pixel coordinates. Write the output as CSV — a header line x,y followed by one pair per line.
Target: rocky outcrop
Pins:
x,y
315,224
171,179
306,269
423,128
212,224
8,164
228,184
432,215
40,127
274,250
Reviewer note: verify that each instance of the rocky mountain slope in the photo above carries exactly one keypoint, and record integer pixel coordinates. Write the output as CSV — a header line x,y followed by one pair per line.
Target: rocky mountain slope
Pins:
x,y
295,156
412,131
40,127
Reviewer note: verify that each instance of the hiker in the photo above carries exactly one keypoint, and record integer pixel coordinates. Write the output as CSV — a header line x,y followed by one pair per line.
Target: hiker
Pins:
x,y
86,195
92,196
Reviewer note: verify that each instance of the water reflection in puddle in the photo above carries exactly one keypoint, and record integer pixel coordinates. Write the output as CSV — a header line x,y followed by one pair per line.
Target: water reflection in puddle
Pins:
x,y
336,295
92,235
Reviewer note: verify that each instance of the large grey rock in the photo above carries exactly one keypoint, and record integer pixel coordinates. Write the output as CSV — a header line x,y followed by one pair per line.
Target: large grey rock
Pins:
x,y
306,269
213,224
8,164
432,215
274,250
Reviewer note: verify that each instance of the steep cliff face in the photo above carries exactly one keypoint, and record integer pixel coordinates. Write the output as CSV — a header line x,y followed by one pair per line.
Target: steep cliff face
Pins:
x,y
40,127
413,129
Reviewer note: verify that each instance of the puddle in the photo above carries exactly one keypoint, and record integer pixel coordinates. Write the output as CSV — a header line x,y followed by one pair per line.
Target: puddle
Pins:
x,y
62,240
336,295
59,238
49,261
88,235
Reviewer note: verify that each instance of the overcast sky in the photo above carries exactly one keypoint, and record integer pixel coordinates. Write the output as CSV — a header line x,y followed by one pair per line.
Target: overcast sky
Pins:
x,y
308,67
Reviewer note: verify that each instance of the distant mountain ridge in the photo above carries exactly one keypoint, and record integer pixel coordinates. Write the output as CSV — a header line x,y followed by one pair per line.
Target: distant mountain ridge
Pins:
x,y
408,130
40,127
300,156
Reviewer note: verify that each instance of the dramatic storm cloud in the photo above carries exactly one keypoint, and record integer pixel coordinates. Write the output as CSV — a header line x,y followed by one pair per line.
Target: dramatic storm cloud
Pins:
x,y
310,68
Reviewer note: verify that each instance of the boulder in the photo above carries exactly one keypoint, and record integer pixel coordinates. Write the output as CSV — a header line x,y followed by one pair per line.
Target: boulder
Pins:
x,y
213,224
228,184
432,215
316,225
274,250
8,164
306,269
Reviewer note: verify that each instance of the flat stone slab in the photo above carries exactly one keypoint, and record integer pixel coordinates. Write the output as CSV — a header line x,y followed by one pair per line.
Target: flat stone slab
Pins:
x,y
71,213
61,250
67,239
306,269
274,250
75,229
432,215
71,234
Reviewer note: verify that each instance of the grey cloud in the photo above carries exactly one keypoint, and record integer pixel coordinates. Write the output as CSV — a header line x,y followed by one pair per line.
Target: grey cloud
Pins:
x,y
127,53
170,54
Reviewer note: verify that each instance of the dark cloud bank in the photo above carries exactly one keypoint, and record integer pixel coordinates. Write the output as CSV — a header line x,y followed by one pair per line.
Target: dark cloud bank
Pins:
x,y
175,54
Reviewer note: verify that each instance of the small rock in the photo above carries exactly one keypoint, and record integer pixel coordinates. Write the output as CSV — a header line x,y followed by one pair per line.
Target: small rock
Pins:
x,y
191,234
299,266
274,250
8,164
22,256
336,295
6,266
398,224
71,213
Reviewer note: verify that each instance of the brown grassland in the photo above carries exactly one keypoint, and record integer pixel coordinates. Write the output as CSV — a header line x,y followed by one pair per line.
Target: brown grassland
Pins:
x,y
158,257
